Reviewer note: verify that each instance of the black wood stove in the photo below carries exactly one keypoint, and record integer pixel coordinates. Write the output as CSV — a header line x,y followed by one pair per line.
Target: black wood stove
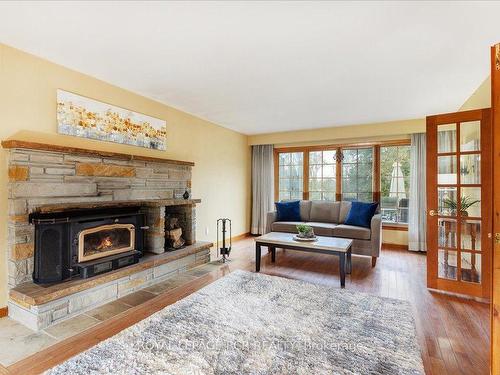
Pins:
x,y
84,243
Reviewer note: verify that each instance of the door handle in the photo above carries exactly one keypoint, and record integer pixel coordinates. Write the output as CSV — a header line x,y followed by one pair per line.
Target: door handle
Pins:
x,y
432,213
497,238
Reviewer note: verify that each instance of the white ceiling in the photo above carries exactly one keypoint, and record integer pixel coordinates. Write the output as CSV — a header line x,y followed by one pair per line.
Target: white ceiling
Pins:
x,y
260,67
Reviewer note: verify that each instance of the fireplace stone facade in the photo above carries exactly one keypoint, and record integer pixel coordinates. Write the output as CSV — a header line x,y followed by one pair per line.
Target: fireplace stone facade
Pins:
x,y
40,178
50,178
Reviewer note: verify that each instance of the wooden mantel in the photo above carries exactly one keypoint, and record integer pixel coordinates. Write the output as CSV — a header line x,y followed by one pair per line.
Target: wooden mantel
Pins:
x,y
12,143
62,207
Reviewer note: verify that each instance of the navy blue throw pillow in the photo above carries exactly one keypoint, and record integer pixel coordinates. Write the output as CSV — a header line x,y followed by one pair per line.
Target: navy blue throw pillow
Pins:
x,y
288,211
361,214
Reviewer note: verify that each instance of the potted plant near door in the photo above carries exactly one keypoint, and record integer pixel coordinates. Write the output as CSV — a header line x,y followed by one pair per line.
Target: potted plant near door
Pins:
x,y
465,203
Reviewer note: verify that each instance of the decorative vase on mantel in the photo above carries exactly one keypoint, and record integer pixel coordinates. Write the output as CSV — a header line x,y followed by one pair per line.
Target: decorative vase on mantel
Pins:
x,y
186,194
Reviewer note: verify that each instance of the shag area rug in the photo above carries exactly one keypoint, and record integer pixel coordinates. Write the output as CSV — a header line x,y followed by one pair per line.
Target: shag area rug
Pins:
x,y
248,323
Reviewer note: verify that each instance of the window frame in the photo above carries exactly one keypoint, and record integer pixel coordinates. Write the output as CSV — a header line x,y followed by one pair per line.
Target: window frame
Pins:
x,y
376,175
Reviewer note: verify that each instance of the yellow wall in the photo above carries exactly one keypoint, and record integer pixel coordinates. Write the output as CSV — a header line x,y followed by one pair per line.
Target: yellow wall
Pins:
x,y
481,98
397,237
221,176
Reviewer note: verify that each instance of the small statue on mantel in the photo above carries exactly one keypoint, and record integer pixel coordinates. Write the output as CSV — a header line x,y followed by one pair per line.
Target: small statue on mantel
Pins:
x,y
174,233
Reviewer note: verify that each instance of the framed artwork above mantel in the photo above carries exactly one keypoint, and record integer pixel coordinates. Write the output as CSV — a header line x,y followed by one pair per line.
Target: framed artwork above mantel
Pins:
x,y
88,118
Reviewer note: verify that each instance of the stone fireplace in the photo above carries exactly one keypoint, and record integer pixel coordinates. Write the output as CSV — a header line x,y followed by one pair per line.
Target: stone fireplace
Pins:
x,y
96,214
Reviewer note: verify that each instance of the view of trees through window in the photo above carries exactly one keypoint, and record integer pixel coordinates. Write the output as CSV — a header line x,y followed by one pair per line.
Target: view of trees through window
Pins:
x,y
395,183
359,175
290,175
322,175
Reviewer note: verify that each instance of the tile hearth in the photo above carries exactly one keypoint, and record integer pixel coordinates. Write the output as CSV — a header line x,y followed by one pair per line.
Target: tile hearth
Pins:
x,y
39,307
34,294
23,342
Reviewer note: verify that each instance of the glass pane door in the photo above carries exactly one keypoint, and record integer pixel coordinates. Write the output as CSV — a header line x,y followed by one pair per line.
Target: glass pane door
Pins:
x,y
457,200
469,159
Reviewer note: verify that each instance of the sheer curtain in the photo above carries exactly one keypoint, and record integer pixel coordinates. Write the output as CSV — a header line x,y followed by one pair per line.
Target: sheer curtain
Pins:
x,y
262,186
418,209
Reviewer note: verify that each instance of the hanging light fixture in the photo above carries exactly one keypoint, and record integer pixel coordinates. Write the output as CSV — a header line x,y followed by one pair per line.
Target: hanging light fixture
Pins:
x,y
339,156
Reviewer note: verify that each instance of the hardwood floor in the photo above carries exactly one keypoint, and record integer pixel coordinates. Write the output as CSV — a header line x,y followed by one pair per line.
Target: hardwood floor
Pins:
x,y
453,333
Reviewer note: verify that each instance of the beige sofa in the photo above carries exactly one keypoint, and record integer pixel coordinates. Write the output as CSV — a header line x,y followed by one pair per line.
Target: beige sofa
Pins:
x,y
327,219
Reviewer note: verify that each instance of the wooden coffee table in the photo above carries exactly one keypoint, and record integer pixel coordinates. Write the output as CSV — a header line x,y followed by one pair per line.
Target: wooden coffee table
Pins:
x,y
324,245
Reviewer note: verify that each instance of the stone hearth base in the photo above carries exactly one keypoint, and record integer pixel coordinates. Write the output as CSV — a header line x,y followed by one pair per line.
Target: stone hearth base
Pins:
x,y
39,307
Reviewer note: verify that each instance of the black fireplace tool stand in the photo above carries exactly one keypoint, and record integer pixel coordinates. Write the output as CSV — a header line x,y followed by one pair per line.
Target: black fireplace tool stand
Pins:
x,y
225,250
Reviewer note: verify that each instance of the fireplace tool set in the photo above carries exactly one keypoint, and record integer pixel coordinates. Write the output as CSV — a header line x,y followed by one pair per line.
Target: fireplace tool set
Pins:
x,y
222,225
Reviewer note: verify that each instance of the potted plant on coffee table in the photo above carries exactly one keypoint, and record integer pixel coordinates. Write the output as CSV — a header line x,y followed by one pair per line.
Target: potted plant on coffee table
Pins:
x,y
305,233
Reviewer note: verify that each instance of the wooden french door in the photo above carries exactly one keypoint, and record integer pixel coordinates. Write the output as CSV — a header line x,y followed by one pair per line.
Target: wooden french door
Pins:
x,y
495,295
459,193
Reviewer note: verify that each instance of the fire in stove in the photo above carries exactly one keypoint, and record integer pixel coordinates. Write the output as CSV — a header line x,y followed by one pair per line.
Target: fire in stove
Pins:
x,y
105,244
105,240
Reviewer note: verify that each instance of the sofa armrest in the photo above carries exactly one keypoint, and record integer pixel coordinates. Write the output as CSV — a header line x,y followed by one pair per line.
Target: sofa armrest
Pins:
x,y
376,234
270,219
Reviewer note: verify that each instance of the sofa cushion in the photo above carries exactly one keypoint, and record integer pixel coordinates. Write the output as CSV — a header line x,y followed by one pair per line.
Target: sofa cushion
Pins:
x,y
351,231
305,210
324,212
361,214
345,207
322,229
288,211
285,226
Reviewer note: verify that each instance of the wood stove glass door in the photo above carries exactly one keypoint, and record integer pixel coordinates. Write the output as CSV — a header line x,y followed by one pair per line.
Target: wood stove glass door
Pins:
x,y
105,240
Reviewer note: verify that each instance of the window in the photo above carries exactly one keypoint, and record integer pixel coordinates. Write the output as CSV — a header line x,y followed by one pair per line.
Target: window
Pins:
x,y
322,175
357,174
378,172
395,183
290,175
